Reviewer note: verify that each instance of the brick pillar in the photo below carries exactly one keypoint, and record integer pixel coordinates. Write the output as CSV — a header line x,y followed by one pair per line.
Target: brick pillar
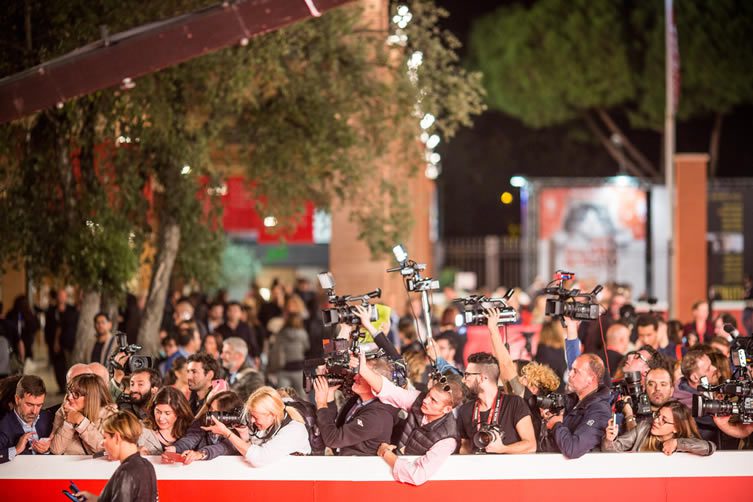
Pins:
x,y
690,249
350,260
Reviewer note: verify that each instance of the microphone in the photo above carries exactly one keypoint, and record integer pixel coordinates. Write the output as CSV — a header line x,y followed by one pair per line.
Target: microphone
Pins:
x,y
731,331
384,344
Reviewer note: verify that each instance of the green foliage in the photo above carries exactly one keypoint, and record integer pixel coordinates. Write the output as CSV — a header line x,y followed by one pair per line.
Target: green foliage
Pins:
x,y
550,63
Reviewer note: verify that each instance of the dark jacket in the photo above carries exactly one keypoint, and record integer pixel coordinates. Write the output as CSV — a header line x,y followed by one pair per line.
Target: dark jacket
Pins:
x,y
417,439
706,426
582,428
133,481
370,426
197,439
11,431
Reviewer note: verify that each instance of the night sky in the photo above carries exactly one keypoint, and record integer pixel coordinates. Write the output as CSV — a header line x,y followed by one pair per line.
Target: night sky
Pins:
x,y
477,163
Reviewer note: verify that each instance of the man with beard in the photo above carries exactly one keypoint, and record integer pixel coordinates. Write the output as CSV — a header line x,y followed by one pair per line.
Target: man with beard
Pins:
x,y
586,413
27,428
659,388
144,384
202,369
104,345
492,407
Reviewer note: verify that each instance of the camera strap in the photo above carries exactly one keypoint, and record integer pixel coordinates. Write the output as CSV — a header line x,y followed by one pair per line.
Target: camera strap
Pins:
x,y
493,416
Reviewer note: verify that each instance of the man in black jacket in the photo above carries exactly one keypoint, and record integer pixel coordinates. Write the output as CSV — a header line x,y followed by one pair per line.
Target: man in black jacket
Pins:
x,y
26,429
364,422
587,413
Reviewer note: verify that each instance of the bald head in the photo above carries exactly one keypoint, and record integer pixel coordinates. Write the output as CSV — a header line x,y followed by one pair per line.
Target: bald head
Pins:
x,y
618,338
99,370
76,370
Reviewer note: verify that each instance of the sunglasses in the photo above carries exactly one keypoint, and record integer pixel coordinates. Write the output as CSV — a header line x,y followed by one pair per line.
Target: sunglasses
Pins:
x,y
444,383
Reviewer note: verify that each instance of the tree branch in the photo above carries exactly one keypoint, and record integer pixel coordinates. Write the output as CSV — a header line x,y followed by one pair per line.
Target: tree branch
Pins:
x,y
610,147
638,157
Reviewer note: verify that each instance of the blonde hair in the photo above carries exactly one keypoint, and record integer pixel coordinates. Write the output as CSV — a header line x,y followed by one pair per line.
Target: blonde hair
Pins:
x,y
268,400
124,423
551,335
541,376
96,395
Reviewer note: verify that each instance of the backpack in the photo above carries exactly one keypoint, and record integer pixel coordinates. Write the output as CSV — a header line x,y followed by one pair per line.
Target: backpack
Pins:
x,y
308,412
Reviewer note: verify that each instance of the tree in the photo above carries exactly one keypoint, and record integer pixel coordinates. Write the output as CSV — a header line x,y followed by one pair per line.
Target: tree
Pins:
x,y
307,110
584,62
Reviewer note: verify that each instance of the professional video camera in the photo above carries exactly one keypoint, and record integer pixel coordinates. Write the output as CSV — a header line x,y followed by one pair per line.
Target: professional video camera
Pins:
x,y
630,387
412,272
551,401
561,302
134,362
234,418
486,435
343,312
474,309
737,402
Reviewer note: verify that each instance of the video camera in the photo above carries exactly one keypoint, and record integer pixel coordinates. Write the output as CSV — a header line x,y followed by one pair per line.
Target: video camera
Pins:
x,y
412,272
551,401
134,362
342,312
630,387
336,362
737,401
474,309
561,302
234,418
738,394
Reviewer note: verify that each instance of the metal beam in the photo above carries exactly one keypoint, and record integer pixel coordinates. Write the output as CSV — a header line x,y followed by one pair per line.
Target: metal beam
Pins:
x,y
147,49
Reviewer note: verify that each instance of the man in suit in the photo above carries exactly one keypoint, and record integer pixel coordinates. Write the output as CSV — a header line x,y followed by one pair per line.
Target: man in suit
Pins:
x,y
27,429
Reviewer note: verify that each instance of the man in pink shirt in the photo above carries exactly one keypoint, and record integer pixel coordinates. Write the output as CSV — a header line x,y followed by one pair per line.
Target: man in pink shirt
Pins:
x,y
431,431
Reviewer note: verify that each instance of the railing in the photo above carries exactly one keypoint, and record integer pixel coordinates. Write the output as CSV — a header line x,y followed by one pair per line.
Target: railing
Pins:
x,y
496,261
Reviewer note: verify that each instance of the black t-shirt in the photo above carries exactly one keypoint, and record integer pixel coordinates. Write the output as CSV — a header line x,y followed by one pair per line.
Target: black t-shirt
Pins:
x,y
97,351
512,411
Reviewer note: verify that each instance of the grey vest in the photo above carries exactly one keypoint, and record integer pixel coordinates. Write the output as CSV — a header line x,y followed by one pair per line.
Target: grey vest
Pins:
x,y
418,439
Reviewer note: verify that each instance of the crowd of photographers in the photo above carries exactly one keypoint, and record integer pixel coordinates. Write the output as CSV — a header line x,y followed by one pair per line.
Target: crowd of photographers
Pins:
x,y
264,379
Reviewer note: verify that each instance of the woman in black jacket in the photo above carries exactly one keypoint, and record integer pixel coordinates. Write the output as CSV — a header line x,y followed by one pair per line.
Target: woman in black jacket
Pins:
x,y
134,480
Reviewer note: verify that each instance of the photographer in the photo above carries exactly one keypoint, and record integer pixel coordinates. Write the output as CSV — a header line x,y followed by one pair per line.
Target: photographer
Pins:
x,y
493,409
659,388
143,385
363,423
672,429
581,429
199,444
695,366
743,432
431,429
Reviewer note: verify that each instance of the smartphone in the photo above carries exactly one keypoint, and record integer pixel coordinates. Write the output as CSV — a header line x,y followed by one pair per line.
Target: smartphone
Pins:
x,y
71,496
170,458
73,488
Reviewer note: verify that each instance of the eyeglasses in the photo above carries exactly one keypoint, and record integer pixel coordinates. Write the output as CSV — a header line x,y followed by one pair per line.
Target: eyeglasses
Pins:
x,y
74,394
658,417
638,355
466,374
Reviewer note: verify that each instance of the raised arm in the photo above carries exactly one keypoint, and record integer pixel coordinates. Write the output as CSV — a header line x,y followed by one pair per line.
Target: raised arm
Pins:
x,y
507,370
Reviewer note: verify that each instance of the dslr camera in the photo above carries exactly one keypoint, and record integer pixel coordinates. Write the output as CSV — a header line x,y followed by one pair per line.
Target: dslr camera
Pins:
x,y
486,435
474,309
630,390
342,311
552,401
562,302
234,418
134,362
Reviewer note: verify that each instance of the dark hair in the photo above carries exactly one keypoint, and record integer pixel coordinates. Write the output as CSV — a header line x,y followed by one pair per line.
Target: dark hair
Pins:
x,y
178,363
446,336
170,337
227,400
234,304
102,314
728,318
489,364
646,320
208,363
30,384
177,401
669,372
184,299
186,332
155,379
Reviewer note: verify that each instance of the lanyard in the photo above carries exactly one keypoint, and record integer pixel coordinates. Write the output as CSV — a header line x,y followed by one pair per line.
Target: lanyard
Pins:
x,y
493,417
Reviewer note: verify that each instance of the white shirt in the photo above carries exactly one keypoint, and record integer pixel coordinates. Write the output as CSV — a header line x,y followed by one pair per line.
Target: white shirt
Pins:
x,y
292,438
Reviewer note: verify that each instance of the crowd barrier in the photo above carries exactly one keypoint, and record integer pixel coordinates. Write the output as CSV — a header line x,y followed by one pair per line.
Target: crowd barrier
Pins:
x,y
640,477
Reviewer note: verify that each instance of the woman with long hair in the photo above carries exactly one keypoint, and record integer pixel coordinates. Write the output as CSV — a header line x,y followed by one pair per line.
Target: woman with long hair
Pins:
x,y
672,429
275,430
77,429
168,420
134,480
198,444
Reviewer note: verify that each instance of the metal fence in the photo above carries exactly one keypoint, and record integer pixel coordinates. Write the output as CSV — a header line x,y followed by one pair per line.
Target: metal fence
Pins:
x,y
496,261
